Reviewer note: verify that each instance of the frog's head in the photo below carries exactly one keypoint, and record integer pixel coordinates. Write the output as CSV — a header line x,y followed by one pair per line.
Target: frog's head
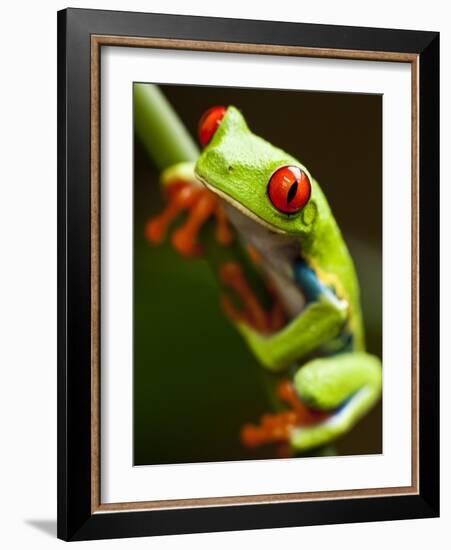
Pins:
x,y
262,181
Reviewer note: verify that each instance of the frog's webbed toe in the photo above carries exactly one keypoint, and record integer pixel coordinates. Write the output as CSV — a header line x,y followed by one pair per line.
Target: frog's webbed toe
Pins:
x,y
278,428
199,205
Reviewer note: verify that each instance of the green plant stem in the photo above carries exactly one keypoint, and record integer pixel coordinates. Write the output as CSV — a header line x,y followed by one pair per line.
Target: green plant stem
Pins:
x,y
160,130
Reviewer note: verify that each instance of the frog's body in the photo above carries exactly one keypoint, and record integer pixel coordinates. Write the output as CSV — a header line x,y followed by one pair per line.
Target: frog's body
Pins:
x,y
305,256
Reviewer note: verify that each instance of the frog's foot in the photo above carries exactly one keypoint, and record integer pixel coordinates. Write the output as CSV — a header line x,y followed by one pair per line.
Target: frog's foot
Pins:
x,y
347,385
252,312
278,428
254,254
200,204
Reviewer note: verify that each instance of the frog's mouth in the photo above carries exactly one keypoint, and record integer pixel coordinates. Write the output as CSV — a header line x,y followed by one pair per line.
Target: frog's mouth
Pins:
x,y
238,206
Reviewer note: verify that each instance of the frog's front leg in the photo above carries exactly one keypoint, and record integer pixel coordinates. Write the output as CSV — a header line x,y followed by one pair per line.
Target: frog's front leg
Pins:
x,y
320,322
347,385
185,195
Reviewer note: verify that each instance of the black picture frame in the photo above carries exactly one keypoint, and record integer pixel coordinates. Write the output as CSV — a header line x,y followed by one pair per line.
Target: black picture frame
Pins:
x,y
76,519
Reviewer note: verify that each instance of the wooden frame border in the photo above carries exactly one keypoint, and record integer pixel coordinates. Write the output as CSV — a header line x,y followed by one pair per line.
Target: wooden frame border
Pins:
x,y
122,41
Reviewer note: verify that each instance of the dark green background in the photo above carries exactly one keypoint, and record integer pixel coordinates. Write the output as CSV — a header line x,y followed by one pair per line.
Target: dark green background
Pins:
x,y
195,382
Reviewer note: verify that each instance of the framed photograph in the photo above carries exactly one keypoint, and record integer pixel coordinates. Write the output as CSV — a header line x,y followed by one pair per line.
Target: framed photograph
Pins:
x,y
248,274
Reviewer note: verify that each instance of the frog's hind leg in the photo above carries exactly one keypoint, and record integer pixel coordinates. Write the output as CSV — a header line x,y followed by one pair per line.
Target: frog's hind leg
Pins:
x,y
346,385
276,428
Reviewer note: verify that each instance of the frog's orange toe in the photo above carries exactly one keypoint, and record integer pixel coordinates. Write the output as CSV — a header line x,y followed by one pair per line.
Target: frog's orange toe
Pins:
x,y
272,429
254,254
155,230
251,436
285,391
185,244
232,276
277,428
199,205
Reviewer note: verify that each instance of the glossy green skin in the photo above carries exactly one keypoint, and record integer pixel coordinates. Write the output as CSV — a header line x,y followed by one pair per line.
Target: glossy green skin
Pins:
x,y
238,165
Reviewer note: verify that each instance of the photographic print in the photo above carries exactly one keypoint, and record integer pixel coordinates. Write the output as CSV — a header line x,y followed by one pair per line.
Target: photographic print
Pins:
x,y
257,274
248,265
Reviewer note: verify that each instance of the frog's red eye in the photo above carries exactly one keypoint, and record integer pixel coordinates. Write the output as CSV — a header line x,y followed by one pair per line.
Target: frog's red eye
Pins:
x,y
209,123
289,189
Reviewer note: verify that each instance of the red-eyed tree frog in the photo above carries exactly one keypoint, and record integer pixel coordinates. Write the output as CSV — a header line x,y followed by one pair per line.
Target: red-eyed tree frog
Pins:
x,y
314,332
